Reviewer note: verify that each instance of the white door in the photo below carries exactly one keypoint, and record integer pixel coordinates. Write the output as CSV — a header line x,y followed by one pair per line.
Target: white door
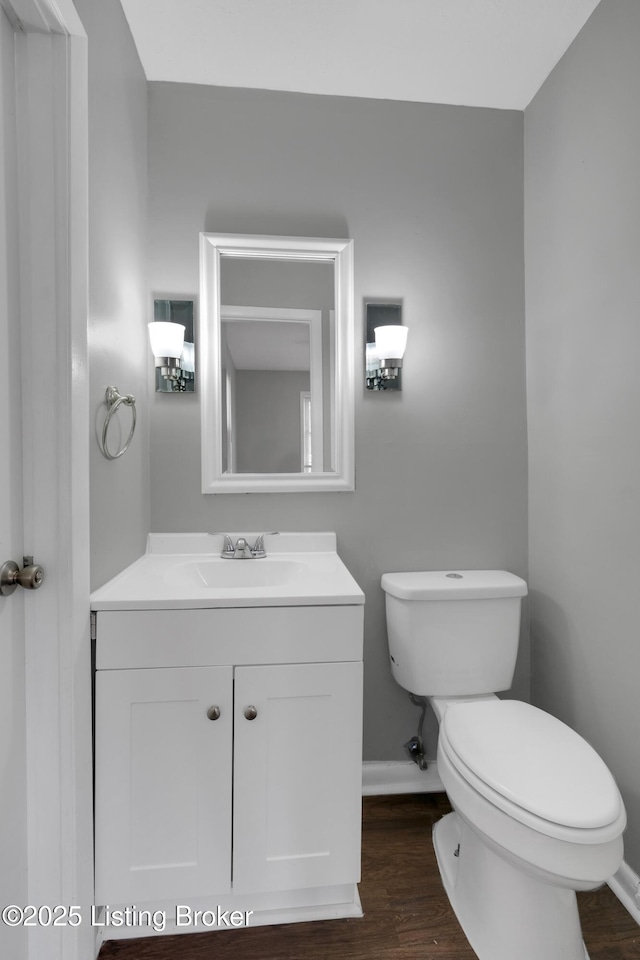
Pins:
x,y
45,704
297,776
163,783
13,841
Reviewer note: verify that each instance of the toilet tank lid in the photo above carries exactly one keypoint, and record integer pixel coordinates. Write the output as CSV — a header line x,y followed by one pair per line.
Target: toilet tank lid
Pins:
x,y
453,585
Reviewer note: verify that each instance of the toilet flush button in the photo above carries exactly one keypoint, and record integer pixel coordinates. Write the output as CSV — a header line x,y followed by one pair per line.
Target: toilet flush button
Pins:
x,y
454,576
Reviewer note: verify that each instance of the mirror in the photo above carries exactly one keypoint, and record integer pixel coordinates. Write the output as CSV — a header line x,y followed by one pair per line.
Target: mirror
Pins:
x,y
277,370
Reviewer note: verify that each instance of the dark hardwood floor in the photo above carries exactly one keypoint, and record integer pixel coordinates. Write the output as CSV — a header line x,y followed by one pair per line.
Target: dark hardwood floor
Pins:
x,y
407,915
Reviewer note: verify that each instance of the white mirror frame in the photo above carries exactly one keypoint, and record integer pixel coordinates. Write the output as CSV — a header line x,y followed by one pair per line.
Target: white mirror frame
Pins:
x,y
214,246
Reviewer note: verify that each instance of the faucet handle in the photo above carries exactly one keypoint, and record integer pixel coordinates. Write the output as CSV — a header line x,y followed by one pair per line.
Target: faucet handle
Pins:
x,y
227,545
258,549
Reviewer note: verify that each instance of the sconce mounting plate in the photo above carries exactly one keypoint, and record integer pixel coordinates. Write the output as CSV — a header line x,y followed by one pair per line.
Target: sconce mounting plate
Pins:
x,y
169,377
380,313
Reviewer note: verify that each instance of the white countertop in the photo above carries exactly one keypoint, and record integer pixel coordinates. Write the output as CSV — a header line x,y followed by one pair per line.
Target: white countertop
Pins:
x,y
300,569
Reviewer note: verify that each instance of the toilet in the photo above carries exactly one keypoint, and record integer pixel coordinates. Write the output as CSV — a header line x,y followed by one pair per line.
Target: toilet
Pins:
x,y
536,813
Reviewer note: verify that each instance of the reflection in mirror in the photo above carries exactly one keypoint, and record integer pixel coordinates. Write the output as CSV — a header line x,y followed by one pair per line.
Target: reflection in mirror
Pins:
x,y
277,364
178,311
272,410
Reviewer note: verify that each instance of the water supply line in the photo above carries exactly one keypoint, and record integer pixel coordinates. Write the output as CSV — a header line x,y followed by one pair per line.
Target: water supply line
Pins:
x,y
415,746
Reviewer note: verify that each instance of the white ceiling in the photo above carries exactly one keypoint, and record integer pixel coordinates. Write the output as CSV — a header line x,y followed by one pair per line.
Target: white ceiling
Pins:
x,y
256,345
482,53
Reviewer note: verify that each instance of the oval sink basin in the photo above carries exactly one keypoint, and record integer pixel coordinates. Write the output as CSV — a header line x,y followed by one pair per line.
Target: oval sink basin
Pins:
x,y
240,574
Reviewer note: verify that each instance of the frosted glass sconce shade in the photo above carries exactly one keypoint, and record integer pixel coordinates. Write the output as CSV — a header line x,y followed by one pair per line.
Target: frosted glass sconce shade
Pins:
x,y
391,342
167,339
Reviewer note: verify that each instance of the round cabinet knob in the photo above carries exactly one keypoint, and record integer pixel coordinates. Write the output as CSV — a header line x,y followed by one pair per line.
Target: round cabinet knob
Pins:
x,y
213,713
250,712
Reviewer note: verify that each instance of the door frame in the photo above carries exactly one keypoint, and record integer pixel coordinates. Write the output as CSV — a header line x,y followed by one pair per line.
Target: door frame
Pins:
x,y
52,125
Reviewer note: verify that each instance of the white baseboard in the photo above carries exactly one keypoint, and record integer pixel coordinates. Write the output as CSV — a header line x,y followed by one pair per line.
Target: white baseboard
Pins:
x,y
626,886
386,777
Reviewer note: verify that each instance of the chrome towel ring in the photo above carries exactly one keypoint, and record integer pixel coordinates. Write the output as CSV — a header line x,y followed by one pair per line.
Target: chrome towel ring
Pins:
x,y
113,399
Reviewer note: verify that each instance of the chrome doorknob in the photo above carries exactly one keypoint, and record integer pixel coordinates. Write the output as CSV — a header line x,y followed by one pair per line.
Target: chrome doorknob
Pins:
x,y
250,712
213,713
11,576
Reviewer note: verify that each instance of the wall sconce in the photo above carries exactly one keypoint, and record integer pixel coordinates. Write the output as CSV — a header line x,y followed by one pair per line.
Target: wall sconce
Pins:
x,y
385,345
391,342
171,336
167,342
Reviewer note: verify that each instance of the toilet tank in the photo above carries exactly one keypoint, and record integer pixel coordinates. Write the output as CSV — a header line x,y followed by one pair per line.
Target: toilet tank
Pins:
x,y
453,633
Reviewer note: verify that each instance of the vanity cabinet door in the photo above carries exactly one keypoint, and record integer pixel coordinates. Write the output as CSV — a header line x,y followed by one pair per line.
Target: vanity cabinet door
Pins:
x,y
297,776
163,783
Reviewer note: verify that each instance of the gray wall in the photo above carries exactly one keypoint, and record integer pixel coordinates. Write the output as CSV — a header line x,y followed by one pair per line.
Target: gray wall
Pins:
x,y
118,304
432,196
582,215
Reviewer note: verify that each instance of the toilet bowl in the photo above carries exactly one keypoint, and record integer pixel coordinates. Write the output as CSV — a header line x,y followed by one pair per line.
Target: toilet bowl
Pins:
x,y
536,813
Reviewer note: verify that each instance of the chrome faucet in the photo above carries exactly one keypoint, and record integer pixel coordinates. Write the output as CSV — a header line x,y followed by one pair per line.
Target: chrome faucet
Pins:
x,y
241,550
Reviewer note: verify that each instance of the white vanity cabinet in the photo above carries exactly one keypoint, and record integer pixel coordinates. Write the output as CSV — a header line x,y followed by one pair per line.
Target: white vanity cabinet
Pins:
x,y
228,758
297,776
163,783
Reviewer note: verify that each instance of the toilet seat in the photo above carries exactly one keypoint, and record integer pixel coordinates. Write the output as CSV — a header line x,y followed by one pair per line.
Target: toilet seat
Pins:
x,y
533,767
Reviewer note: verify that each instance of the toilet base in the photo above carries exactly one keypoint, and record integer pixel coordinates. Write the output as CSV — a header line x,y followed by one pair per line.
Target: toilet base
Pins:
x,y
504,912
